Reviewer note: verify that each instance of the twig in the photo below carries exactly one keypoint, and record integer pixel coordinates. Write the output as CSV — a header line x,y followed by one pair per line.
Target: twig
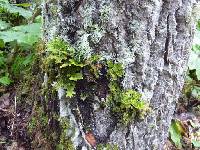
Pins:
x,y
15,112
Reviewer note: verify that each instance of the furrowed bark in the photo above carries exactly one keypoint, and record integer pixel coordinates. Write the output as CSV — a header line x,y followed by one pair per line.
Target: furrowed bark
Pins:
x,y
151,38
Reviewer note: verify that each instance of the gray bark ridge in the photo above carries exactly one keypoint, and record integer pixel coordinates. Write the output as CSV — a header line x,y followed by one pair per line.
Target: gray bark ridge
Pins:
x,y
151,38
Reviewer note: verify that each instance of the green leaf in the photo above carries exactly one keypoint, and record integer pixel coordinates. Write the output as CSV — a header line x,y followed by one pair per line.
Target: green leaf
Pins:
x,y
175,133
8,36
198,25
38,19
23,5
28,34
196,38
94,58
17,65
4,1
33,28
14,9
196,143
4,25
2,61
5,80
2,45
131,99
196,47
76,77
196,91
70,90
75,63
198,73
115,70
64,65
194,63
28,59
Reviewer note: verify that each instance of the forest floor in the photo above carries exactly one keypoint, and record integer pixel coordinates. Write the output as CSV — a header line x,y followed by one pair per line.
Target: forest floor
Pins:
x,y
26,121
14,118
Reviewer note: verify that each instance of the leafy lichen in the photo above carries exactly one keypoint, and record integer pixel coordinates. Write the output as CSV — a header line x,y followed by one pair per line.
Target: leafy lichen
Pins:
x,y
127,102
63,58
69,65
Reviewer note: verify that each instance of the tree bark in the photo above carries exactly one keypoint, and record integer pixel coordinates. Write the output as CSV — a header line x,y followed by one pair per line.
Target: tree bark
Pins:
x,y
151,38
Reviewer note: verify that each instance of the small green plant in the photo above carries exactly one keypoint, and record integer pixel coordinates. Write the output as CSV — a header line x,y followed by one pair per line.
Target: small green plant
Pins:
x,y
65,142
176,131
115,70
62,56
17,41
127,102
38,120
68,65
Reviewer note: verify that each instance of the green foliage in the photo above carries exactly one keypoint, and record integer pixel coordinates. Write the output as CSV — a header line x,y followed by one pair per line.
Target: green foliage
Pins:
x,y
40,123
115,70
21,62
17,41
107,147
40,119
4,1
127,102
65,142
66,62
175,131
62,55
195,92
27,34
198,25
14,9
132,99
5,80
4,25
193,76
25,5
194,62
191,91
196,143
69,64
178,130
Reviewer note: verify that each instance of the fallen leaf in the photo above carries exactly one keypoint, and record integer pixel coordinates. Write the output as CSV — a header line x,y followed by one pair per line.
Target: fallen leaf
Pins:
x,y
90,139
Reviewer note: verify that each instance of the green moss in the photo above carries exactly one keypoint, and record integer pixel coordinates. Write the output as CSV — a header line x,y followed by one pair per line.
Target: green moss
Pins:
x,y
107,147
63,58
65,142
69,65
115,70
39,119
56,138
126,102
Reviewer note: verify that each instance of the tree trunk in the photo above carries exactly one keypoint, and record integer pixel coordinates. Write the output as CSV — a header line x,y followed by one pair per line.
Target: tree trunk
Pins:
x,y
151,38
